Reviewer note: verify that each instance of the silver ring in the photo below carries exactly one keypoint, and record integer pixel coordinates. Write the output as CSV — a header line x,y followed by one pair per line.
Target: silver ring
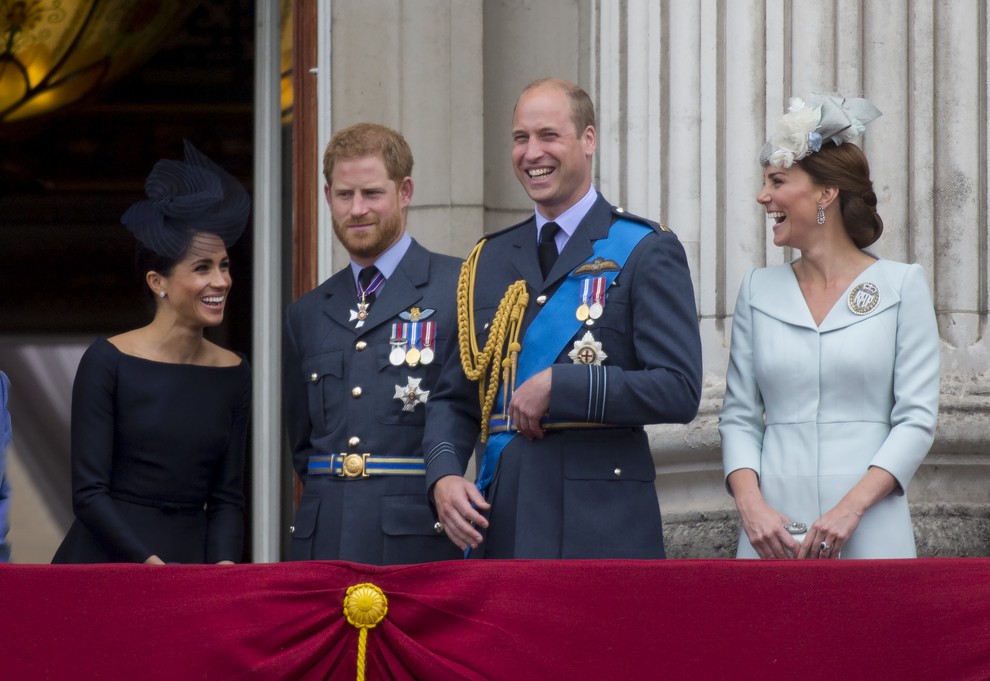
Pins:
x,y
438,527
796,528
824,547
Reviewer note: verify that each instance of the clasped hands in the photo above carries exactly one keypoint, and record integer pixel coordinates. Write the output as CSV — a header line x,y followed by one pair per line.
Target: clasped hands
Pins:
x,y
766,529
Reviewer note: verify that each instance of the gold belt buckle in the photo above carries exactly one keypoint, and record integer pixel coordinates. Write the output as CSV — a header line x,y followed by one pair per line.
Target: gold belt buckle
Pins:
x,y
353,465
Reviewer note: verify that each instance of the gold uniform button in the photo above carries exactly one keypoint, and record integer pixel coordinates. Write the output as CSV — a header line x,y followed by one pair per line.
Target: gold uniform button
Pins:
x,y
354,442
618,472
314,377
356,392
540,300
360,345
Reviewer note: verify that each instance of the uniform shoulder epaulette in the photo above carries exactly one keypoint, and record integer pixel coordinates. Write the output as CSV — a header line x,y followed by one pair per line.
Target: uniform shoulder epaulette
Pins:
x,y
506,230
621,213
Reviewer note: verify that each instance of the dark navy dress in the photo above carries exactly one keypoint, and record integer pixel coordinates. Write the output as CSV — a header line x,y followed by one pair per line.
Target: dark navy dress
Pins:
x,y
157,460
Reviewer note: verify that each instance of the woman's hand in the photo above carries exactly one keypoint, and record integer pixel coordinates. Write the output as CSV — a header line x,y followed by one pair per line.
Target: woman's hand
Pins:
x,y
829,534
153,560
764,526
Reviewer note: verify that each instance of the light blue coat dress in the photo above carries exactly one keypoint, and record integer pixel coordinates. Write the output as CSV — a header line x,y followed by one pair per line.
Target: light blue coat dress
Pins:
x,y
811,408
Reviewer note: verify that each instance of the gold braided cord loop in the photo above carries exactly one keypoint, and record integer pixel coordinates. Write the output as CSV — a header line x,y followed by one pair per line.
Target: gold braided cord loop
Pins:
x,y
506,324
365,606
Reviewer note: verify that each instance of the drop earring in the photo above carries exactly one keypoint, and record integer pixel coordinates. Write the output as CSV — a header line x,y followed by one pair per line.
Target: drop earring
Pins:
x,y
821,214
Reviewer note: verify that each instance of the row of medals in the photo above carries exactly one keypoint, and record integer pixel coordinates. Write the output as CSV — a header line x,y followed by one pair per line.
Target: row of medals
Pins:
x,y
587,312
411,356
592,300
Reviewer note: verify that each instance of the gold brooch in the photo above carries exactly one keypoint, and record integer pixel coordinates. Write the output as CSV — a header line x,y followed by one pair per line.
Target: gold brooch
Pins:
x,y
864,298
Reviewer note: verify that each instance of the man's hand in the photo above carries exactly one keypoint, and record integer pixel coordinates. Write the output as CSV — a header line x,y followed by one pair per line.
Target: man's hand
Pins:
x,y
458,502
529,404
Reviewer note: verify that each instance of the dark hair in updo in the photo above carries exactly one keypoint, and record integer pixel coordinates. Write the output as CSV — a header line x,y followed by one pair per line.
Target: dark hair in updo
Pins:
x,y
845,166
147,260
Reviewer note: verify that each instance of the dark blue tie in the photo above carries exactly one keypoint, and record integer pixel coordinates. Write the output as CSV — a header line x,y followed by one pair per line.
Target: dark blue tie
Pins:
x,y
547,250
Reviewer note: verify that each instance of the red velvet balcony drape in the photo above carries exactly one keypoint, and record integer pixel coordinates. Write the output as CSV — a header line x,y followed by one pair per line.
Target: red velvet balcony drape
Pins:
x,y
512,620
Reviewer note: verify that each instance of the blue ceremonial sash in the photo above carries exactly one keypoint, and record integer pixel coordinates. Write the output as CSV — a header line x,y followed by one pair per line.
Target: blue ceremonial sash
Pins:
x,y
556,324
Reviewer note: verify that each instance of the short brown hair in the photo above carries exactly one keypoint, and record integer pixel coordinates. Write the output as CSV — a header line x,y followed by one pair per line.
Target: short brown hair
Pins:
x,y
582,110
845,166
370,139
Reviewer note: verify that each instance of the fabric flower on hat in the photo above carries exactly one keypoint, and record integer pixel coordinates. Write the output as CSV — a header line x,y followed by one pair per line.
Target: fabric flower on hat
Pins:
x,y
806,125
792,137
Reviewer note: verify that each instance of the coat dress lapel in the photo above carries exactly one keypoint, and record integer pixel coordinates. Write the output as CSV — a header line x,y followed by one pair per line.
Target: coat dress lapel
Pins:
x,y
778,295
888,295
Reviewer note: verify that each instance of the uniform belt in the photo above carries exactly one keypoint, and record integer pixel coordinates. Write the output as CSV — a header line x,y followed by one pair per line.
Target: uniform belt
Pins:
x,y
364,465
504,425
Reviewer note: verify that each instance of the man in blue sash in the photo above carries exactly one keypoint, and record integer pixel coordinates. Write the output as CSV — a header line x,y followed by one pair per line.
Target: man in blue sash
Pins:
x,y
580,326
361,358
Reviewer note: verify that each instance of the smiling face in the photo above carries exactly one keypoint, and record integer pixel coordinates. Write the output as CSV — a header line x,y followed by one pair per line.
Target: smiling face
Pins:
x,y
551,159
196,288
368,208
791,200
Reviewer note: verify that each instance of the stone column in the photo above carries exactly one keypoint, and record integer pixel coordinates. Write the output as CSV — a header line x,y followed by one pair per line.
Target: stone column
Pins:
x,y
417,67
523,40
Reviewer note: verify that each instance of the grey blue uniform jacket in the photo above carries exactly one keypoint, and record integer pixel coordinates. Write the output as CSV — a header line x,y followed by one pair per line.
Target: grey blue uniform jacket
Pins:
x,y
581,493
340,386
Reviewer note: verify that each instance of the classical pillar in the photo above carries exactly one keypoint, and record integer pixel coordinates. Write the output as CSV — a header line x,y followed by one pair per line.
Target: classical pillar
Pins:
x,y
417,67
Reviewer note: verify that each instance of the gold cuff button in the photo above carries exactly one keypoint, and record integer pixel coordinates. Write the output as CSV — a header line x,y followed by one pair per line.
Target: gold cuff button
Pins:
x,y
356,392
618,472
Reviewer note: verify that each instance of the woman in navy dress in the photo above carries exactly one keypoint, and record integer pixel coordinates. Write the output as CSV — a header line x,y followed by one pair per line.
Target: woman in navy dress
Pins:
x,y
159,413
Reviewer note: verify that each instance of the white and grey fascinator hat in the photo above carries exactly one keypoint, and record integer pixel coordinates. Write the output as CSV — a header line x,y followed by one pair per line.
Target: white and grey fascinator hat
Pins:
x,y
186,197
808,123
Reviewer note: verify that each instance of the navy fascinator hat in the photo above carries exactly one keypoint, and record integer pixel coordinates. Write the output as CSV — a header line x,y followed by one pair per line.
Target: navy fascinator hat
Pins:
x,y
186,197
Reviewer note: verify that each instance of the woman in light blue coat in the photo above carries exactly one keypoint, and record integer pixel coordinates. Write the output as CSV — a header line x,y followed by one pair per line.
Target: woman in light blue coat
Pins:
x,y
833,381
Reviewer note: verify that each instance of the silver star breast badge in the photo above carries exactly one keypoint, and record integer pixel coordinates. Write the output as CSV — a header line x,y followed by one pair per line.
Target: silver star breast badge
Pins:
x,y
587,351
410,394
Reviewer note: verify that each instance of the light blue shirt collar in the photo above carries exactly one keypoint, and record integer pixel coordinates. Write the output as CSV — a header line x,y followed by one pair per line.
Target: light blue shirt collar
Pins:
x,y
388,261
569,219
